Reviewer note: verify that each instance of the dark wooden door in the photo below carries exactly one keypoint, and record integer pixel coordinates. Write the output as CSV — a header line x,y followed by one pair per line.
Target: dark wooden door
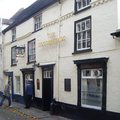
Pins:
x,y
47,91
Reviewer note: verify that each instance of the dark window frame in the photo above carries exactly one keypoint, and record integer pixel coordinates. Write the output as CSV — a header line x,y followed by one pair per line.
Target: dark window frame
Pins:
x,y
76,51
38,24
82,8
101,62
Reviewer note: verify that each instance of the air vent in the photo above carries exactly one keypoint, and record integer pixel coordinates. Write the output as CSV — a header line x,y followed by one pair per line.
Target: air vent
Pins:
x,y
97,73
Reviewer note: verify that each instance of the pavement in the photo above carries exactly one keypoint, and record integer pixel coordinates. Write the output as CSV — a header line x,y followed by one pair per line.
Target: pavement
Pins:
x,y
37,114
32,113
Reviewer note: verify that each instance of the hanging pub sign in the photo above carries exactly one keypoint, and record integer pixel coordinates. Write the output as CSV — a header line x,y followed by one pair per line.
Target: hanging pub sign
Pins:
x,y
20,51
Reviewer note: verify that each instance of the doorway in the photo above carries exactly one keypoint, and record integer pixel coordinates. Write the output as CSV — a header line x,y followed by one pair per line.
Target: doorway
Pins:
x,y
47,87
28,75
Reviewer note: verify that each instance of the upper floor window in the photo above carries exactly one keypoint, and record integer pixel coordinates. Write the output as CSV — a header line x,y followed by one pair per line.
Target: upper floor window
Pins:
x,y
31,51
83,34
37,22
13,34
82,4
13,56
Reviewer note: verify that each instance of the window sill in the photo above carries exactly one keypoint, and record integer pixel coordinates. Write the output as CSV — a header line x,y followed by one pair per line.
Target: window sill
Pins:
x,y
83,9
12,65
37,30
81,51
13,41
31,62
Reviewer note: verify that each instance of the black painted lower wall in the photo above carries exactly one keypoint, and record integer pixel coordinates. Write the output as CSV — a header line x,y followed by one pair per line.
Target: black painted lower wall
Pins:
x,y
79,113
36,102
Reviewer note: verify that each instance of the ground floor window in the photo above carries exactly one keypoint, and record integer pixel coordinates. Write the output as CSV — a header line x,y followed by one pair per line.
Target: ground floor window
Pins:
x,y
18,85
92,83
91,88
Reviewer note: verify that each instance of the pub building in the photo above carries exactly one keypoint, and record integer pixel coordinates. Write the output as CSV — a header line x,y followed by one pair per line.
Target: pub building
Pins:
x,y
70,50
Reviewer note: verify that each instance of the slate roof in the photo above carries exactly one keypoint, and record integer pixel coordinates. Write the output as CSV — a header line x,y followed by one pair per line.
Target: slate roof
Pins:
x,y
29,12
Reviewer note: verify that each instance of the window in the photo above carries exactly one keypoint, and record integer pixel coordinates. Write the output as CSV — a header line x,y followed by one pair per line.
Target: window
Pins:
x,y
83,34
47,74
37,22
13,56
82,4
13,34
31,51
18,85
92,83
91,88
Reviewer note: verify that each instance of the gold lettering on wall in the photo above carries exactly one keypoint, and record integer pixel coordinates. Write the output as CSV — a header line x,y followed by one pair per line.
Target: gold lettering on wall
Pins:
x,y
52,39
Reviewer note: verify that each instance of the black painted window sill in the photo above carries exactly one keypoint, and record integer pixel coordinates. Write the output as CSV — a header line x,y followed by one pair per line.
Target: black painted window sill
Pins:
x,y
13,65
37,30
31,62
82,51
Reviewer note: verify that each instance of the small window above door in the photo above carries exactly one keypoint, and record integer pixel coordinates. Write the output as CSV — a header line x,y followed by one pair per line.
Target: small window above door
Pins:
x,y
47,74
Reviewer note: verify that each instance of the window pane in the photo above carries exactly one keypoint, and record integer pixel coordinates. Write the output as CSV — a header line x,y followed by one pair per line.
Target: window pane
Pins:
x,y
78,36
84,35
91,90
83,25
87,23
84,3
88,34
79,44
18,85
84,44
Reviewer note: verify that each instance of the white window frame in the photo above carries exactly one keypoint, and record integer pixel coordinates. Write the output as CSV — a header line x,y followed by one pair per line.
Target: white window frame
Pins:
x,y
82,4
37,22
83,34
47,74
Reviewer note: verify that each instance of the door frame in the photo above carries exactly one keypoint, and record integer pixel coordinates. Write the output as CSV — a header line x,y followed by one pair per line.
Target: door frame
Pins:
x,y
24,72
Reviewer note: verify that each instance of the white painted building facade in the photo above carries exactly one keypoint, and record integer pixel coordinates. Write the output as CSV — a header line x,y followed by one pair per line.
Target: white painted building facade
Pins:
x,y
73,49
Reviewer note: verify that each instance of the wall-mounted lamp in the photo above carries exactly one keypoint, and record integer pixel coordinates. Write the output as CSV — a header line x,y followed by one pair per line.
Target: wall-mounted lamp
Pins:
x,y
20,51
35,65
116,34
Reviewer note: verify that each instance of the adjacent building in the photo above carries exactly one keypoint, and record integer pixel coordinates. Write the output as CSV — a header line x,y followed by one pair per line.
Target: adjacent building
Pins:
x,y
69,49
